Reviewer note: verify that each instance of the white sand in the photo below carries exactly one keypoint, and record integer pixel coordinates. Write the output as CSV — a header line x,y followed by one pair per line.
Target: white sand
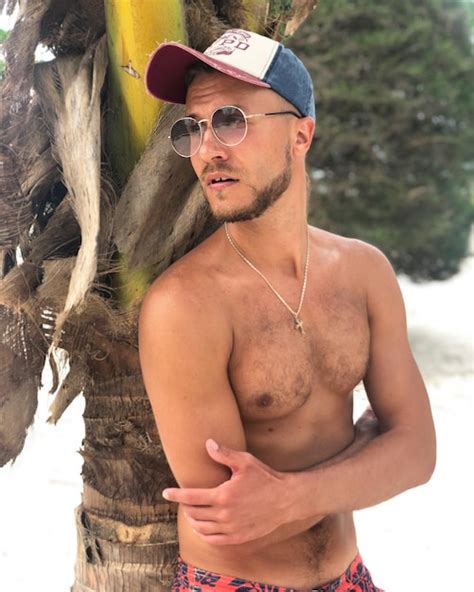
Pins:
x,y
415,542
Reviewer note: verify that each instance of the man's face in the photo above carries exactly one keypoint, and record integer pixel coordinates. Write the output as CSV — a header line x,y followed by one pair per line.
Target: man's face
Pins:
x,y
259,169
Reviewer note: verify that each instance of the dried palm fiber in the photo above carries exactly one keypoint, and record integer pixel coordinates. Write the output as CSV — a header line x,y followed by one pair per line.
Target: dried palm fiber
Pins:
x,y
60,238
78,337
95,333
73,77
27,168
73,114
207,20
8,6
27,174
19,50
171,212
15,212
18,290
22,351
242,13
286,24
23,348
6,261
70,27
21,363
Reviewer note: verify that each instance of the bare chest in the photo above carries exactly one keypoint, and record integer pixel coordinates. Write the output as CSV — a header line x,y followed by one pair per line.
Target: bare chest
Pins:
x,y
275,370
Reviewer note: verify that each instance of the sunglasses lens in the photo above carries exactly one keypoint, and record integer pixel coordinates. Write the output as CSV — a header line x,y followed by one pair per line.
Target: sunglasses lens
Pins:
x,y
229,125
185,136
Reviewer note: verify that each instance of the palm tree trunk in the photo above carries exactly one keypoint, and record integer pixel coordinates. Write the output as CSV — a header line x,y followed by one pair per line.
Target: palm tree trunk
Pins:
x,y
127,536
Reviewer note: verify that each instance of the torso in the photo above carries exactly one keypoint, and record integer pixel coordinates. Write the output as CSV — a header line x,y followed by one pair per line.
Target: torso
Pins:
x,y
294,393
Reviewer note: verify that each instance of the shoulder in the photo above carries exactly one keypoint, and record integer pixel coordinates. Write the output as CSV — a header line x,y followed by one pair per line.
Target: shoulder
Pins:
x,y
185,299
364,267
186,281
378,280
356,253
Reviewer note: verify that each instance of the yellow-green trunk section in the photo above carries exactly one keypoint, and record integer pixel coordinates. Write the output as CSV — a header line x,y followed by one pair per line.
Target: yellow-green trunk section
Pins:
x,y
134,29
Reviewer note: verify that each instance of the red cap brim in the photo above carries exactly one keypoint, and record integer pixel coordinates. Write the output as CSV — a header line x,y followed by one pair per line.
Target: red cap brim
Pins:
x,y
164,74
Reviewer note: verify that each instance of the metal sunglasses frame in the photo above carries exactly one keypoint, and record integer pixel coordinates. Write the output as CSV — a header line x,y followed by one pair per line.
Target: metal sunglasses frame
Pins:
x,y
245,117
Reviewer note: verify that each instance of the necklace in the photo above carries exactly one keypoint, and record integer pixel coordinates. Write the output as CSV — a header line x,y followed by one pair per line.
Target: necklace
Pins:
x,y
295,313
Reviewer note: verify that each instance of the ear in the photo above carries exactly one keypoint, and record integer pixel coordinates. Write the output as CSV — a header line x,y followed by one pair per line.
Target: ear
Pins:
x,y
304,134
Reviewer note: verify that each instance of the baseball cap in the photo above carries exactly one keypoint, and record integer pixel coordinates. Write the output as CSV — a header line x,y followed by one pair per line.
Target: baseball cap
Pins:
x,y
244,55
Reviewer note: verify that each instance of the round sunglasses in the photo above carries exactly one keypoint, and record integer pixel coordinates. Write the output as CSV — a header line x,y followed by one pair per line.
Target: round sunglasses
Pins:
x,y
228,124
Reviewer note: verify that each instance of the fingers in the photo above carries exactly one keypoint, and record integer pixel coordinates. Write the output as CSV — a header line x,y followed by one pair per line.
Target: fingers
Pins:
x,y
205,526
225,456
203,513
221,539
210,531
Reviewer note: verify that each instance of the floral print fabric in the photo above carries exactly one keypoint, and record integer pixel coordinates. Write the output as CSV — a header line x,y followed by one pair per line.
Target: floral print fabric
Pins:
x,y
356,578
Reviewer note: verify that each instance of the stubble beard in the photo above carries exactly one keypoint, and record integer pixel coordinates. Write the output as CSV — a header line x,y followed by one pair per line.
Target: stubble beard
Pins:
x,y
264,197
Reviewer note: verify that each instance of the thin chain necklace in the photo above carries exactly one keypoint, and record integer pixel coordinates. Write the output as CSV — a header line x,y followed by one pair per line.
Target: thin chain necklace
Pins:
x,y
295,313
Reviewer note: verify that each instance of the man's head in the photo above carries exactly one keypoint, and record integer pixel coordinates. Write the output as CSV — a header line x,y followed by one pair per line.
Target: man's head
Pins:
x,y
249,117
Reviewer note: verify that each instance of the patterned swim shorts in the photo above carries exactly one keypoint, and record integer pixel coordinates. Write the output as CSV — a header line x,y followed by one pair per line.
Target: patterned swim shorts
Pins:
x,y
356,578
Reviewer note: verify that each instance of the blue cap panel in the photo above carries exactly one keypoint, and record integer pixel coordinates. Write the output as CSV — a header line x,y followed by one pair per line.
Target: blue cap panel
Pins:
x,y
288,76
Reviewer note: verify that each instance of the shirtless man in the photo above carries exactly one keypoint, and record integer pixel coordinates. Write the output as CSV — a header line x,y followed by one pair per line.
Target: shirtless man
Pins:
x,y
255,340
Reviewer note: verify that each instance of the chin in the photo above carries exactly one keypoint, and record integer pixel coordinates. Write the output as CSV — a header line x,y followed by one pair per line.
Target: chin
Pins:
x,y
227,214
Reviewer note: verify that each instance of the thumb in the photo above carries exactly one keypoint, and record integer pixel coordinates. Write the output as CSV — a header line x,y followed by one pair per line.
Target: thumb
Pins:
x,y
223,455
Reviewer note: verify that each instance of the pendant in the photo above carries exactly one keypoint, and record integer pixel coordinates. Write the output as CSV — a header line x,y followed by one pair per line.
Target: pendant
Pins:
x,y
299,325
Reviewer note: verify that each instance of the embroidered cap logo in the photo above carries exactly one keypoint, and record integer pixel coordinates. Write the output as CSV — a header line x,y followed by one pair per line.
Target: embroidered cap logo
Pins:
x,y
229,42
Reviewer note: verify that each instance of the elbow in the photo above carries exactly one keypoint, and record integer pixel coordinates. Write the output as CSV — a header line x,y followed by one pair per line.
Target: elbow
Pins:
x,y
427,460
427,469
430,465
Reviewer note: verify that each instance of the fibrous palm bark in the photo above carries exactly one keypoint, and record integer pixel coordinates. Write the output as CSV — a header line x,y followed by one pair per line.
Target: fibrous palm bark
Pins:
x,y
82,234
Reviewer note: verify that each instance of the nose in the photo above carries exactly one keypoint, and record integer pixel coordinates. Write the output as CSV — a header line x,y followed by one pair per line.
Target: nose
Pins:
x,y
210,148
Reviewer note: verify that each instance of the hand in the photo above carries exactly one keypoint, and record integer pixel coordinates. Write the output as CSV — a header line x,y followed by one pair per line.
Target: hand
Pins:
x,y
250,505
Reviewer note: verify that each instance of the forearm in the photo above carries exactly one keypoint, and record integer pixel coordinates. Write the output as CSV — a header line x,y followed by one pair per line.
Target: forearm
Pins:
x,y
389,464
366,429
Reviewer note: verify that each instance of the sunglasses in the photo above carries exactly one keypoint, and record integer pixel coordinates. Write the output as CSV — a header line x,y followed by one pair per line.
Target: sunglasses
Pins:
x,y
228,124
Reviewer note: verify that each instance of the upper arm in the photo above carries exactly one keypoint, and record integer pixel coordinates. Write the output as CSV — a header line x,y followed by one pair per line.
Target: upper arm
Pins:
x,y
184,346
393,382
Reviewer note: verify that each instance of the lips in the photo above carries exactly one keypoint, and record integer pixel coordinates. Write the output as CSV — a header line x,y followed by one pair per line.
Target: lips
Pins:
x,y
222,185
221,180
218,180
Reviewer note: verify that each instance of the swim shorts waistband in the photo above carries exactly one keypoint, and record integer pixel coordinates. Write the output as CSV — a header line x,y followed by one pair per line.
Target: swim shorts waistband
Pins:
x,y
356,578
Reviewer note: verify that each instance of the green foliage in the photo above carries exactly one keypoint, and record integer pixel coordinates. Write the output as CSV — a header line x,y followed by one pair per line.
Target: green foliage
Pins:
x,y
393,163
3,38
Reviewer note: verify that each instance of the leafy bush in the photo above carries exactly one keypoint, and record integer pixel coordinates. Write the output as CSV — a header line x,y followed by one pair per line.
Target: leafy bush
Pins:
x,y
392,163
